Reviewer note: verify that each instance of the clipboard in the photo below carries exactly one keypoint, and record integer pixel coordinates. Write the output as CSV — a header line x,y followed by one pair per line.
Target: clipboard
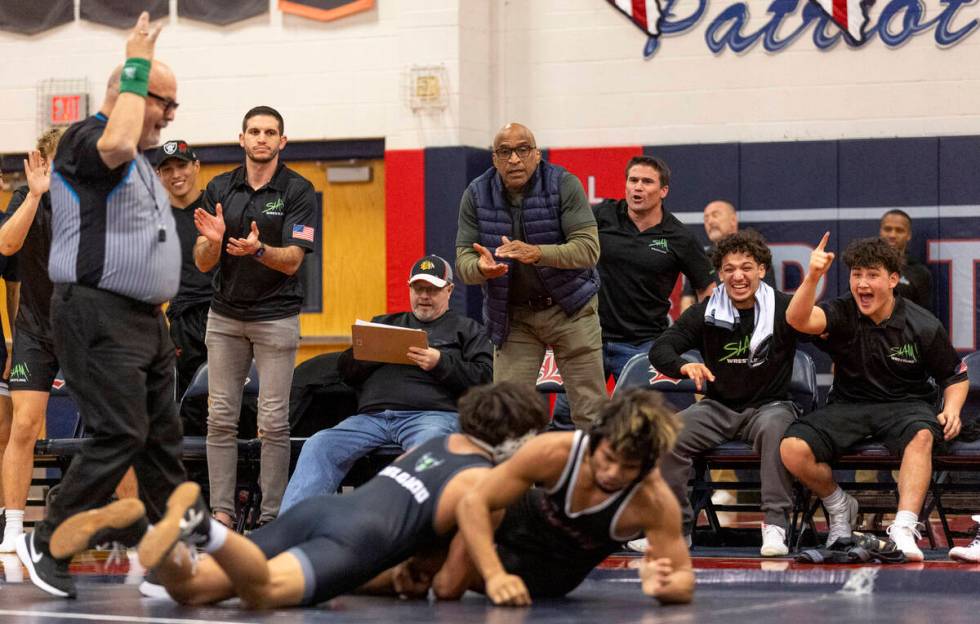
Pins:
x,y
377,342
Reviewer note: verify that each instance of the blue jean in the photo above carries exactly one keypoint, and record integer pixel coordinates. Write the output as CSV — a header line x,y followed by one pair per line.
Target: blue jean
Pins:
x,y
329,454
615,355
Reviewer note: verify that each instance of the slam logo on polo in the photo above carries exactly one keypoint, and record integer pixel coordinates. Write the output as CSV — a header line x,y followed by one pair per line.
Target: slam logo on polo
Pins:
x,y
905,354
659,245
274,208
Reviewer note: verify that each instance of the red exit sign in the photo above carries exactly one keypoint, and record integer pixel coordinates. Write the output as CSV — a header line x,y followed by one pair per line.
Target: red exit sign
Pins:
x,y
66,109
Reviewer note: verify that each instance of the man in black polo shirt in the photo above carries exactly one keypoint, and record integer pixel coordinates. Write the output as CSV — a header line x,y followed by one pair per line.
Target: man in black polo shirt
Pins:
x,y
114,260
644,249
256,226
748,351
178,166
915,281
887,352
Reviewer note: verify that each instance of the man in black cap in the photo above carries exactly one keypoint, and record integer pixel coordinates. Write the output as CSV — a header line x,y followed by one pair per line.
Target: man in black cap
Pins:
x,y
178,166
399,403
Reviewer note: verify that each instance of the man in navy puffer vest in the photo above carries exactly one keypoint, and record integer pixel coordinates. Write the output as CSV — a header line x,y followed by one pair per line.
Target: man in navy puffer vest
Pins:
x,y
528,236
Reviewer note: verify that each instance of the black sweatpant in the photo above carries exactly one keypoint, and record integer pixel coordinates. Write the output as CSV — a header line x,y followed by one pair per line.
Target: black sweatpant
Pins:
x,y
187,330
118,360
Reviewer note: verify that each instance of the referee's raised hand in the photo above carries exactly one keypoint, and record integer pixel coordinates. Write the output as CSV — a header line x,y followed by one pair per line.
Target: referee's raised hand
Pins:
x,y
821,260
143,38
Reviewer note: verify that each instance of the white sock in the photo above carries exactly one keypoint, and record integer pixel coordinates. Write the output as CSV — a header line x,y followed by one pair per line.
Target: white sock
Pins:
x,y
217,536
15,523
906,518
835,501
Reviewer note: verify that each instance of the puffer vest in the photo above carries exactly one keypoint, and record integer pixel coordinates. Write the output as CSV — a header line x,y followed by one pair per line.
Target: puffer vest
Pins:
x,y
541,215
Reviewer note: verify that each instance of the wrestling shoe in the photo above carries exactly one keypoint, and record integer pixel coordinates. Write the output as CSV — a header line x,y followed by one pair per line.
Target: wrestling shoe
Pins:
x,y
187,519
905,536
640,545
970,553
151,587
46,572
841,524
773,541
123,519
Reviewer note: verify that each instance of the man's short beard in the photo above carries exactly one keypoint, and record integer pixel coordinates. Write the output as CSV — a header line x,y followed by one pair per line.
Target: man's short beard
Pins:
x,y
272,156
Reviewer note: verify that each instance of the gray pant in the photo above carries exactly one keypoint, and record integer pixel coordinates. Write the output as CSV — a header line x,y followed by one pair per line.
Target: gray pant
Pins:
x,y
709,423
231,346
577,343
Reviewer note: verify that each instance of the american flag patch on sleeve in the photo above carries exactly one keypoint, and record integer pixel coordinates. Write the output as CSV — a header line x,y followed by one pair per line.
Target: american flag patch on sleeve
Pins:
x,y
303,232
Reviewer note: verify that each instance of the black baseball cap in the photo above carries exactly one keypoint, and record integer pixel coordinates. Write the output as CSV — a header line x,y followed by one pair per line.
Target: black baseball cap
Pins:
x,y
174,149
432,269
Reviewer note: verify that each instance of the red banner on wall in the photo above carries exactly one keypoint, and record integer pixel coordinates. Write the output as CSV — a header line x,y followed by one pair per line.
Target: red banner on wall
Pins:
x,y
602,170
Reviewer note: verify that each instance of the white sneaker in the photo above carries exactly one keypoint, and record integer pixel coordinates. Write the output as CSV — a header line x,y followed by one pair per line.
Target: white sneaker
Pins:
x,y
9,544
773,541
841,524
905,537
638,545
13,572
970,553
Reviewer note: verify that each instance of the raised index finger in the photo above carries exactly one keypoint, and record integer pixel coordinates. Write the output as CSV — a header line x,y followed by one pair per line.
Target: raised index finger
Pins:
x,y
823,241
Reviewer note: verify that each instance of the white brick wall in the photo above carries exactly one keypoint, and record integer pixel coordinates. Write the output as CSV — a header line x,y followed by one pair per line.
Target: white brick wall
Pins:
x,y
343,79
578,78
571,69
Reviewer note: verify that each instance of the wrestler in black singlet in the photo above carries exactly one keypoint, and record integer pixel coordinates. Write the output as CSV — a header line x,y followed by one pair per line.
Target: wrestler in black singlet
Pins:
x,y
551,548
345,540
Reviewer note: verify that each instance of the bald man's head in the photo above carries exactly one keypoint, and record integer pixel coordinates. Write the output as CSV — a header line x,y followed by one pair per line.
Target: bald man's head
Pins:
x,y
515,155
161,101
720,220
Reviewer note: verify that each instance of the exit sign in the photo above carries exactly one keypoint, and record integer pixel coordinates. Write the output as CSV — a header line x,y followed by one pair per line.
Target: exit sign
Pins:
x,y
67,109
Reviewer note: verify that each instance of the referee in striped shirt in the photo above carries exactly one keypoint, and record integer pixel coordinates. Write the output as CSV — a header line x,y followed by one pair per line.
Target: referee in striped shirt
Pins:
x,y
115,258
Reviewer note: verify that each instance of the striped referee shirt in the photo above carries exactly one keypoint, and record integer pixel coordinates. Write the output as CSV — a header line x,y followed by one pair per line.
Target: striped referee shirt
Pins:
x,y
111,229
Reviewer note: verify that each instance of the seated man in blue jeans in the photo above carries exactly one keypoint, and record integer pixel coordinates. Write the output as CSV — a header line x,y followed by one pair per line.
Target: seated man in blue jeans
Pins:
x,y
400,404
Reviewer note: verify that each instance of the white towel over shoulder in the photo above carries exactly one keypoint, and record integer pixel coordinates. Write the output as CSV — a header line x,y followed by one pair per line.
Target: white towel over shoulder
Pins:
x,y
721,312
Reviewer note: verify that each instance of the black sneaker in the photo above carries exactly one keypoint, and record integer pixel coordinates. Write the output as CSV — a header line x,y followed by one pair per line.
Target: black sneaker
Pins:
x,y
46,572
123,521
187,519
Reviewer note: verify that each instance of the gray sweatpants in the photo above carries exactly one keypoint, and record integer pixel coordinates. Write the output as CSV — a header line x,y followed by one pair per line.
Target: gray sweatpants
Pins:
x,y
231,346
707,424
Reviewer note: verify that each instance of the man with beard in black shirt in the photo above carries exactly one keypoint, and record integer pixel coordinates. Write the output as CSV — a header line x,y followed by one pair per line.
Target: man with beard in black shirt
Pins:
x,y
178,166
400,403
915,280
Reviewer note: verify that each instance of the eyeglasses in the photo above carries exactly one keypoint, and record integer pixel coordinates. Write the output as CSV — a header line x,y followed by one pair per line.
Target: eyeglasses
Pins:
x,y
168,104
523,151
428,289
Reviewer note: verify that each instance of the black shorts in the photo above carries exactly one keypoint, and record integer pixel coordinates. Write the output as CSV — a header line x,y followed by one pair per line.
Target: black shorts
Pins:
x,y
34,365
838,426
340,546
